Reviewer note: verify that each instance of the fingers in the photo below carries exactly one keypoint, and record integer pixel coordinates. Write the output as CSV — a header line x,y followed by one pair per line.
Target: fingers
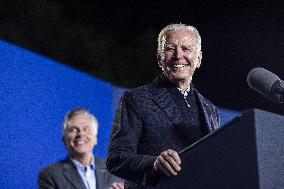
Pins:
x,y
168,163
117,185
175,155
172,158
158,166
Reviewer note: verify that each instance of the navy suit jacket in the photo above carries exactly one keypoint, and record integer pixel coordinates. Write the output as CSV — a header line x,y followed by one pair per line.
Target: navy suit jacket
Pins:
x,y
64,175
148,122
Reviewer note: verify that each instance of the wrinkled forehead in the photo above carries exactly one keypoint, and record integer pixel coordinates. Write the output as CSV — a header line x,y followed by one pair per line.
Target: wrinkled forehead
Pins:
x,y
181,37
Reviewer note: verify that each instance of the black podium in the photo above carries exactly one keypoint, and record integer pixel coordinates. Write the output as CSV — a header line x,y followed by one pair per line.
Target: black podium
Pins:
x,y
247,153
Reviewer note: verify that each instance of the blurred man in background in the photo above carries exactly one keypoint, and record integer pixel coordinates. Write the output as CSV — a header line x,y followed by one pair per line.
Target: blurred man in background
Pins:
x,y
80,170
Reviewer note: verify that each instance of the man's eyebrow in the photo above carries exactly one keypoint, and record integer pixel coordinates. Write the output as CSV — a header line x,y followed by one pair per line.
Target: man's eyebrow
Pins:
x,y
187,45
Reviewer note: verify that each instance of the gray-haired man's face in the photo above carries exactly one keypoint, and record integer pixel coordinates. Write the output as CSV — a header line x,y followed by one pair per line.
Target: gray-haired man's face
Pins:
x,y
181,56
81,136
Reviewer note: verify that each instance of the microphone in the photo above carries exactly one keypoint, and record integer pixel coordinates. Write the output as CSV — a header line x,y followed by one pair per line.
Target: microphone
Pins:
x,y
267,84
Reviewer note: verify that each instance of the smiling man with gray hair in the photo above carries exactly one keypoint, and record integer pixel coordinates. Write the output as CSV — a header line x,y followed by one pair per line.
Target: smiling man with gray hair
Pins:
x,y
156,121
80,170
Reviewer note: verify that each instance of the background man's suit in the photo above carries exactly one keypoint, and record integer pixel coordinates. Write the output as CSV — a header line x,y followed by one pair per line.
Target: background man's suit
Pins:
x,y
64,175
148,122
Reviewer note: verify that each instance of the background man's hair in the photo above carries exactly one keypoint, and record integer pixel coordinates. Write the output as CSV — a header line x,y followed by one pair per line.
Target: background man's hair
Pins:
x,y
79,111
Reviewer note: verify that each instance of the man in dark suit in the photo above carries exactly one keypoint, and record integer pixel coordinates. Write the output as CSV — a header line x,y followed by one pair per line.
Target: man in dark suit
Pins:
x,y
80,170
156,121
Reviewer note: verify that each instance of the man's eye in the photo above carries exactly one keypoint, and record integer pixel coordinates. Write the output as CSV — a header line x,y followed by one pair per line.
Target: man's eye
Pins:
x,y
186,49
170,49
73,130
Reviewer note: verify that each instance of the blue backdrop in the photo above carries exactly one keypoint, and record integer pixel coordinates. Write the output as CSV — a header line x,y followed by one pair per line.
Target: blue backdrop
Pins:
x,y
35,94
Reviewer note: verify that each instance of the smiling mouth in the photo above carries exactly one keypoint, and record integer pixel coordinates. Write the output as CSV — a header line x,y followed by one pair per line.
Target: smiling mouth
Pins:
x,y
178,65
79,142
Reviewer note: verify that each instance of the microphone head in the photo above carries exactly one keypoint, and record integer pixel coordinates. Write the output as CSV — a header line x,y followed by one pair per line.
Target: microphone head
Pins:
x,y
263,81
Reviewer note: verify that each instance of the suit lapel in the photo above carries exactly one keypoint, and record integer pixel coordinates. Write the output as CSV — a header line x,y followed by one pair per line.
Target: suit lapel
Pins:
x,y
206,111
163,99
71,174
100,173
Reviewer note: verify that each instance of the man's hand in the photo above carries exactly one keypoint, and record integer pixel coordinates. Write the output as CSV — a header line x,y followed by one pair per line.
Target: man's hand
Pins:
x,y
168,163
117,185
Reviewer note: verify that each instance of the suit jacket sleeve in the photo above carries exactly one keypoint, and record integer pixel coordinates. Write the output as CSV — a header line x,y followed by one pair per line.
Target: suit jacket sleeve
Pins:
x,y
123,159
44,181
104,179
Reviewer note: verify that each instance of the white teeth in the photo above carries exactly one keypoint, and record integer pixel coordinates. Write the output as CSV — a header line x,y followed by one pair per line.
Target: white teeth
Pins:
x,y
178,65
80,142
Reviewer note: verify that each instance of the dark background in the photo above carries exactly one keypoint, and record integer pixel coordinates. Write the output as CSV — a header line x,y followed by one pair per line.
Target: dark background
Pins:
x,y
117,41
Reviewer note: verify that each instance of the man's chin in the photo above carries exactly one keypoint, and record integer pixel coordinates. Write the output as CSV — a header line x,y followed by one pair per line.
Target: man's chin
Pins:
x,y
179,78
81,151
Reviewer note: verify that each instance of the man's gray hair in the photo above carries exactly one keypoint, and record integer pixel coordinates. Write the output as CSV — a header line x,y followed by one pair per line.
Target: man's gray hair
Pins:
x,y
164,32
79,111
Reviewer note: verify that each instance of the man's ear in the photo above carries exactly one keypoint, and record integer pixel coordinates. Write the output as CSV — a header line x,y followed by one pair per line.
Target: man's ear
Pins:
x,y
199,59
160,63
159,59
63,140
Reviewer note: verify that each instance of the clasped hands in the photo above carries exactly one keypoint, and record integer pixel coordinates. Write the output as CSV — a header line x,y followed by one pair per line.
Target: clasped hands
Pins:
x,y
168,163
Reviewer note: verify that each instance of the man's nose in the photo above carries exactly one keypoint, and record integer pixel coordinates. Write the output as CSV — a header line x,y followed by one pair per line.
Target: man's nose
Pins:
x,y
178,53
81,132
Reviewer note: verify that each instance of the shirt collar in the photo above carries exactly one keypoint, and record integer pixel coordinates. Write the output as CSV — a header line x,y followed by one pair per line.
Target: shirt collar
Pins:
x,y
81,167
185,92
